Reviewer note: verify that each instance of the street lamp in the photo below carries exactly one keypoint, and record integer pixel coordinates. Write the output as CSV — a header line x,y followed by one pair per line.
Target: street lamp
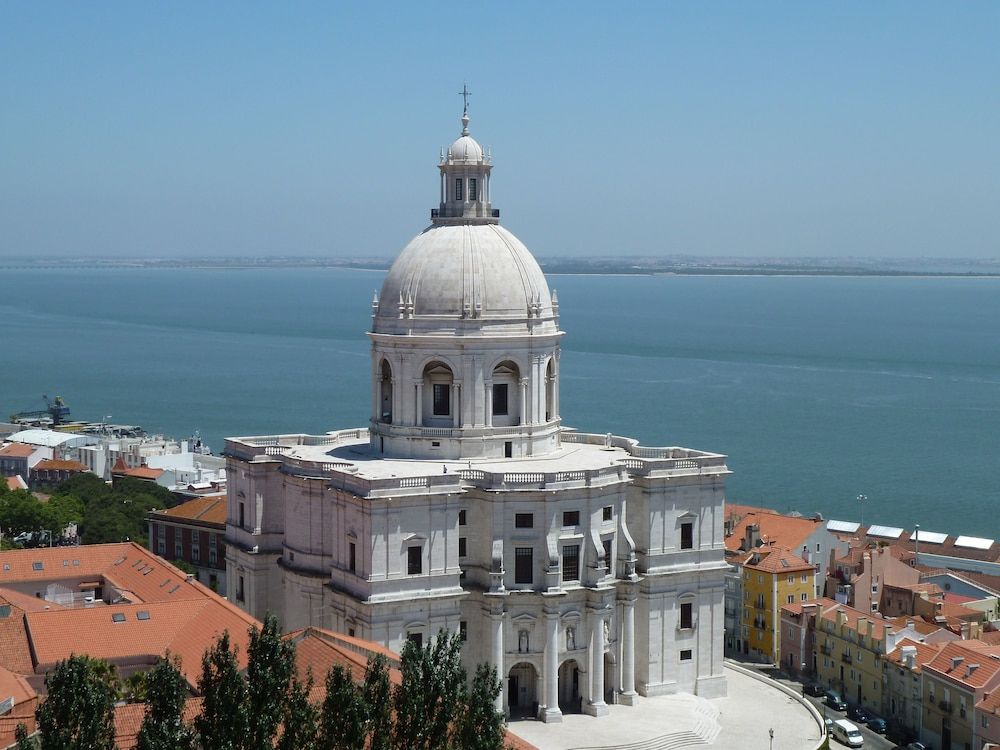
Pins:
x,y
861,504
770,733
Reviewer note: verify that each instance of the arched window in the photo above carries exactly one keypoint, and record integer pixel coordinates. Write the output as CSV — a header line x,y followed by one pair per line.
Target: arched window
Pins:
x,y
437,407
506,396
385,392
550,388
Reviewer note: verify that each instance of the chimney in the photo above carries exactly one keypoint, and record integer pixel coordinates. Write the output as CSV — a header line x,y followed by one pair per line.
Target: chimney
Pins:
x,y
863,625
956,660
964,631
841,617
806,554
908,656
969,669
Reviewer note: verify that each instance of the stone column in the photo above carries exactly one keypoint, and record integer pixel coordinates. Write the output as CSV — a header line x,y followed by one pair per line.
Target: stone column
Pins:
x,y
418,416
524,401
597,705
455,404
496,659
555,391
551,712
628,651
488,417
394,385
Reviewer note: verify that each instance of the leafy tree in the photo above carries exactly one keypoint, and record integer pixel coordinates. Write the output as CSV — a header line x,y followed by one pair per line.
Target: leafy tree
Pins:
x,y
222,724
134,687
24,742
481,726
429,699
21,511
377,697
300,719
270,666
60,511
343,716
78,713
166,691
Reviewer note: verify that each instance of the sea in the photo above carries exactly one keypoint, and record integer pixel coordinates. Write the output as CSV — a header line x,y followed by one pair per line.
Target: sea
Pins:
x,y
819,389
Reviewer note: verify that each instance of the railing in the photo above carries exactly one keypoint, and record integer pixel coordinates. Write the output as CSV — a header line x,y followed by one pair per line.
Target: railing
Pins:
x,y
945,706
826,649
846,657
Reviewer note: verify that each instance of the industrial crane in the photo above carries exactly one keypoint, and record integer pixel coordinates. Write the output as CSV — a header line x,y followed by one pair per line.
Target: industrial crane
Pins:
x,y
56,410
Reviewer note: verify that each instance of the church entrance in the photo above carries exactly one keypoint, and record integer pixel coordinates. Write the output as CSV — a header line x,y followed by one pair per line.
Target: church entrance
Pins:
x,y
522,699
569,687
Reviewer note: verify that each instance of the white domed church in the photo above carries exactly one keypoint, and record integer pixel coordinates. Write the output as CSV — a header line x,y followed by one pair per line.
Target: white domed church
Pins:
x,y
587,568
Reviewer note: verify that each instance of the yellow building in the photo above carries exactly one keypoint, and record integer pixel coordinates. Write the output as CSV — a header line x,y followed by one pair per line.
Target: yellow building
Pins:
x,y
851,647
772,577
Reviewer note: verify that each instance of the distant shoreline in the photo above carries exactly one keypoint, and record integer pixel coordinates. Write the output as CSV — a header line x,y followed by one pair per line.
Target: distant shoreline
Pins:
x,y
552,267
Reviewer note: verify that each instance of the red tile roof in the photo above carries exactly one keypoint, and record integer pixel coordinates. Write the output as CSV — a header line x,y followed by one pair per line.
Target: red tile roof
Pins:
x,y
16,483
209,509
139,472
787,531
955,659
775,559
17,450
925,652
877,624
52,464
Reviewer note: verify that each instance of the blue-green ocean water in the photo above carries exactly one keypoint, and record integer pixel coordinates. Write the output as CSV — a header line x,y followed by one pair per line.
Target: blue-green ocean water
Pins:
x,y
818,388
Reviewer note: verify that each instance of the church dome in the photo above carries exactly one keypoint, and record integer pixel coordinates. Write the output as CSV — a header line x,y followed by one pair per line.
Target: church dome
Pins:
x,y
466,149
476,273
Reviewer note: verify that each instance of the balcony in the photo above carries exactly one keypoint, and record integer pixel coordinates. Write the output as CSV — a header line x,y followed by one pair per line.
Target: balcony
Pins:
x,y
826,649
945,706
846,657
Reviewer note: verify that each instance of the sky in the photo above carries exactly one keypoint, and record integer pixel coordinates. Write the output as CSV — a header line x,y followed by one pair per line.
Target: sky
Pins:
x,y
313,129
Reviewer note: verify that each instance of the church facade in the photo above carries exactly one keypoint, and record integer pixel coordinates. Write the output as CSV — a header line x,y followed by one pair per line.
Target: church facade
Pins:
x,y
587,568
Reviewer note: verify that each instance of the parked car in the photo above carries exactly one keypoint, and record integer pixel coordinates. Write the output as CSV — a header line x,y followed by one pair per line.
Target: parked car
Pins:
x,y
858,713
877,724
814,689
834,701
829,724
847,733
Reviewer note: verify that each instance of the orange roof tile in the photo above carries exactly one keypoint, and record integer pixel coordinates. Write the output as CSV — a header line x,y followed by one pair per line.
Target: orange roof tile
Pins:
x,y
116,633
209,508
775,559
15,650
819,604
52,464
16,483
14,685
129,718
955,658
17,450
925,652
320,650
788,531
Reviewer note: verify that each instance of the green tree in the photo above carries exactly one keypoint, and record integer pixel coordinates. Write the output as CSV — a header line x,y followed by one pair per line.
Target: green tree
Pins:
x,y
21,511
60,511
78,713
377,697
24,742
222,724
481,726
300,719
166,694
270,666
429,699
343,715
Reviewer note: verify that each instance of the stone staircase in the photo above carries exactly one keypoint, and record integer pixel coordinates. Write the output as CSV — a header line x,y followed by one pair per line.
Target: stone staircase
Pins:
x,y
705,731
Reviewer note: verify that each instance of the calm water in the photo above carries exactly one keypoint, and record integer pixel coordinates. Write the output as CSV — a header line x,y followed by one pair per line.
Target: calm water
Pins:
x,y
818,388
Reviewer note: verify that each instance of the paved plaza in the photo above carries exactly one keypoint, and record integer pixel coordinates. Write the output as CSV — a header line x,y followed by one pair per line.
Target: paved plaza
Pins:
x,y
741,720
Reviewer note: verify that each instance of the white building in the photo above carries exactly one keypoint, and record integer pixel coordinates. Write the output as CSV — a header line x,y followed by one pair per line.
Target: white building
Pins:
x,y
585,567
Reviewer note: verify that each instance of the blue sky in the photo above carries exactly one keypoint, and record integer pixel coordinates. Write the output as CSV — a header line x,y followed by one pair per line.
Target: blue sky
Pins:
x,y
790,129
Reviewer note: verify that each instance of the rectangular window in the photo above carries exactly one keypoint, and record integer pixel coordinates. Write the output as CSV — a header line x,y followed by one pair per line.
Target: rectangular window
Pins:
x,y
687,535
608,559
805,578
212,541
243,520
791,598
463,630
178,551
352,557
571,562
161,547
686,655
500,399
687,616
571,518
473,192
417,639
523,565
803,597
461,546
524,520
196,554
195,538
606,513
458,188
442,399
414,560
461,518
213,557
240,595
161,531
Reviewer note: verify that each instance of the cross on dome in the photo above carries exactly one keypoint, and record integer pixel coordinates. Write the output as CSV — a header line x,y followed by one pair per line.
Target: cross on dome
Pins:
x,y
465,94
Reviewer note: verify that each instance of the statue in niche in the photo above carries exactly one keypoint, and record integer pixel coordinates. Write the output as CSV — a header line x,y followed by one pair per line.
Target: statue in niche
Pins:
x,y
607,628
571,638
522,641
